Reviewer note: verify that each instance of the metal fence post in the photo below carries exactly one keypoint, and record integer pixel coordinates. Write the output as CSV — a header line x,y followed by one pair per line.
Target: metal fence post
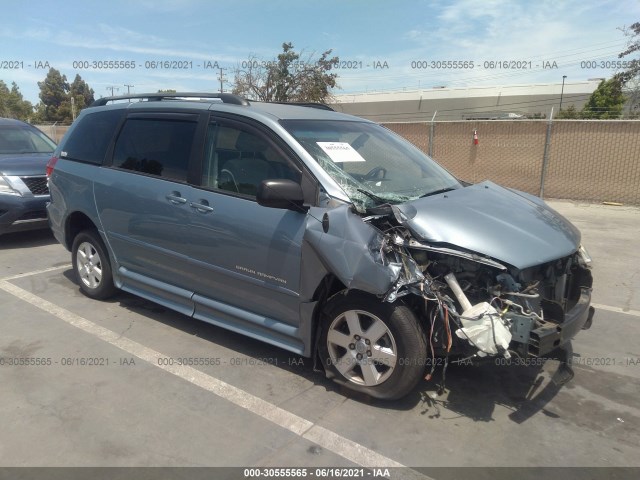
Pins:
x,y
545,158
431,130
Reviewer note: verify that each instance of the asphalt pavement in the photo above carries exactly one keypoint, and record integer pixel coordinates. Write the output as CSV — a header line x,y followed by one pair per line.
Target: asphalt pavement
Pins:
x,y
128,383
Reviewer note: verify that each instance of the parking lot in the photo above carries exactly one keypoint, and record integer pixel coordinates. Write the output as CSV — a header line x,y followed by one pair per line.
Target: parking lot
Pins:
x,y
129,383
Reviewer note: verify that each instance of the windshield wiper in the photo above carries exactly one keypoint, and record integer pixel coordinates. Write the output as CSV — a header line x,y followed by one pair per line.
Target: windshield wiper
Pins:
x,y
372,196
435,192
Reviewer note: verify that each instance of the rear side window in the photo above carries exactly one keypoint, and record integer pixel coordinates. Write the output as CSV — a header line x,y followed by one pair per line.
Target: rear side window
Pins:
x,y
89,140
155,147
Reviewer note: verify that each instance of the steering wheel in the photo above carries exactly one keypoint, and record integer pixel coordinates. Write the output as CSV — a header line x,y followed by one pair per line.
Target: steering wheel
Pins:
x,y
227,172
374,174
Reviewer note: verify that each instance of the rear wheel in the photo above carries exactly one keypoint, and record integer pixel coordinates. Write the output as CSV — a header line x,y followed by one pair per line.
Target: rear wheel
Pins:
x,y
91,265
372,347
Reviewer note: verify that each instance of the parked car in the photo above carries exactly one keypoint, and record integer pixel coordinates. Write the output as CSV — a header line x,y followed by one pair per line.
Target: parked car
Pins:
x,y
317,232
24,152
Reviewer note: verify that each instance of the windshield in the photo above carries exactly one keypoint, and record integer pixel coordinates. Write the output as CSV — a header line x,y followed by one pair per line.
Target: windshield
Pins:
x,y
17,140
371,164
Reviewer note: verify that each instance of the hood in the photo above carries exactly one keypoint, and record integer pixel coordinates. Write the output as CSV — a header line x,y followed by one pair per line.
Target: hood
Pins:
x,y
509,226
25,164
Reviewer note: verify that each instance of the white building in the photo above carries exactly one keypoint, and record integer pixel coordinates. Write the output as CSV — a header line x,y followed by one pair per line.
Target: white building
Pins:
x,y
496,102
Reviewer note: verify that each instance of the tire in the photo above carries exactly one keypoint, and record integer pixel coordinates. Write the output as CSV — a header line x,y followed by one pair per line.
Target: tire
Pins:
x,y
91,265
372,347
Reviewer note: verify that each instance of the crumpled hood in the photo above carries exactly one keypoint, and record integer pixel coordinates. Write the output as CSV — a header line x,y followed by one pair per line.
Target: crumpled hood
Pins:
x,y
513,227
24,164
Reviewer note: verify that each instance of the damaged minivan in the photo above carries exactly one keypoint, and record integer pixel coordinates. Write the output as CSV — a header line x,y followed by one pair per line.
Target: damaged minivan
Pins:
x,y
317,232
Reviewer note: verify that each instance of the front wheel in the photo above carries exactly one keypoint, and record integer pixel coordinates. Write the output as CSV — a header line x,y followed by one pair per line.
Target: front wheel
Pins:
x,y
91,265
372,347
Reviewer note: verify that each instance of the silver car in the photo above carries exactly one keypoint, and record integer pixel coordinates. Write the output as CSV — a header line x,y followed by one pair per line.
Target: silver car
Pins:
x,y
320,233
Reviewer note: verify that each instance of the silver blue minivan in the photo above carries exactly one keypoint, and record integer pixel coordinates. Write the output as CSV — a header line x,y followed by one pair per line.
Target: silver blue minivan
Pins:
x,y
320,233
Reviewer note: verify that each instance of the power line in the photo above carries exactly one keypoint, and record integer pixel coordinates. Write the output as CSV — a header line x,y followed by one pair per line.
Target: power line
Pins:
x,y
584,54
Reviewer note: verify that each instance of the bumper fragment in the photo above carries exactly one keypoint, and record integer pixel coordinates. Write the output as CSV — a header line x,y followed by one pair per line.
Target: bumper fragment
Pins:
x,y
545,339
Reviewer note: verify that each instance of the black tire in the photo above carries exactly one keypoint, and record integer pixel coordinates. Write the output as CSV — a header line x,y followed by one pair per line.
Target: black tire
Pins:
x,y
91,265
374,373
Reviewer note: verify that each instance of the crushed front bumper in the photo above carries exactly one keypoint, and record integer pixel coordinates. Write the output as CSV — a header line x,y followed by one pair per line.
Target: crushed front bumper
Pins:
x,y
546,339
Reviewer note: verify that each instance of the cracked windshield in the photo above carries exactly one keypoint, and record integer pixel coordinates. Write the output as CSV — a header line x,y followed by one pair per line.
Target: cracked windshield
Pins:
x,y
371,164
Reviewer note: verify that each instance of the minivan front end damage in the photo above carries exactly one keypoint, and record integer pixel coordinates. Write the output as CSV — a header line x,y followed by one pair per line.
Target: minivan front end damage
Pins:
x,y
528,312
471,305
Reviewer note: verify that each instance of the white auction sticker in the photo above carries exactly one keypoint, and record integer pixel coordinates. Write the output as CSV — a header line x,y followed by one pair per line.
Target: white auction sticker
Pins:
x,y
340,152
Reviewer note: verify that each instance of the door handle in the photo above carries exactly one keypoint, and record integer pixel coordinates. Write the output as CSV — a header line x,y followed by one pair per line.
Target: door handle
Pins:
x,y
176,198
202,207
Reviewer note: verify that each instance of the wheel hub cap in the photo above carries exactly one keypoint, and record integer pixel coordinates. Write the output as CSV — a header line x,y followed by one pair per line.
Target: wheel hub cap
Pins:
x,y
362,348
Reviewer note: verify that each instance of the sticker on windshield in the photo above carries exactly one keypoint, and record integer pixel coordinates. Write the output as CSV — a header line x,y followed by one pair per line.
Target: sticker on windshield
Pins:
x,y
340,152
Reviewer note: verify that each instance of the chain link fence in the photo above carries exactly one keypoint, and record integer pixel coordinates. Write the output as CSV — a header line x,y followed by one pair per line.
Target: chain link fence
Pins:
x,y
54,131
594,160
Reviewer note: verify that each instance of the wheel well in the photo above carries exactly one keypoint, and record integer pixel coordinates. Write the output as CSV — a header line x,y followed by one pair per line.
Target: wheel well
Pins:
x,y
329,286
77,222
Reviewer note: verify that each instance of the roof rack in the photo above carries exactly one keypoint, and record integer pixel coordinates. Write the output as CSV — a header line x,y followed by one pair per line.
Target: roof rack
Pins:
x,y
320,106
225,97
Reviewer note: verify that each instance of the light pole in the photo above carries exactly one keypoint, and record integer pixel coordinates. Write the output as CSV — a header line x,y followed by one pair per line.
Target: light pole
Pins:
x,y
562,91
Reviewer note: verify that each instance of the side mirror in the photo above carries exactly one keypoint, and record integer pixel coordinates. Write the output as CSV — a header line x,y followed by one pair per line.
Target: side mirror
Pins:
x,y
281,193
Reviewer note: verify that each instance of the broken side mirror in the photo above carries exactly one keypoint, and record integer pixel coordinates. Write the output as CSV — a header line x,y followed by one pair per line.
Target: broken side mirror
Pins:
x,y
281,193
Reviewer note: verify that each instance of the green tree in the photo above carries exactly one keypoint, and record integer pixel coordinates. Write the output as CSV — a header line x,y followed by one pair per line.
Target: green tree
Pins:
x,y
606,101
633,48
630,75
54,98
81,92
4,100
569,113
291,78
56,95
12,103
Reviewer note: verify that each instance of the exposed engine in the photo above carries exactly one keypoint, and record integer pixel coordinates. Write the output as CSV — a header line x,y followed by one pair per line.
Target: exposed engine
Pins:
x,y
475,306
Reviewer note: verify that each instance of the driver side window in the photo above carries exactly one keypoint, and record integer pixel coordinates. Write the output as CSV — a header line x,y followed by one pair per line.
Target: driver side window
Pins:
x,y
237,160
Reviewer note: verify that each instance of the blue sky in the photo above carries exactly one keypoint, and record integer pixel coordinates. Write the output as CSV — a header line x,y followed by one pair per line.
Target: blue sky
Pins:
x,y
393,34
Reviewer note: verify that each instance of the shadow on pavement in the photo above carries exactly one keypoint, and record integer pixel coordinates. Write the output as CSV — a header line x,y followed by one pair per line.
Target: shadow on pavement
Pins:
x,y
472,391
475,391
32,238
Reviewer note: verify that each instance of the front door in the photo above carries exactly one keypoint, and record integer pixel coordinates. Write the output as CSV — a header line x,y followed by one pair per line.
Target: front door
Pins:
x,y
246,256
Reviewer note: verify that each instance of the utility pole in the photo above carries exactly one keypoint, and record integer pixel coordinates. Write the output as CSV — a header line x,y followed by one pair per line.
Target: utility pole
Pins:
x,y
562,92
128,89
112,89
222,79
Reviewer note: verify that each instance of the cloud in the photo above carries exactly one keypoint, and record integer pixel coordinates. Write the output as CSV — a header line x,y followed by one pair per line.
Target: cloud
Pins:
x,y
118,39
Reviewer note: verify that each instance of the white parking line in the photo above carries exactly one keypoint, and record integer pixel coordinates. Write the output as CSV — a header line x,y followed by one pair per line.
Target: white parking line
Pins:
x,y
635,313
36,272
321,436
306,429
